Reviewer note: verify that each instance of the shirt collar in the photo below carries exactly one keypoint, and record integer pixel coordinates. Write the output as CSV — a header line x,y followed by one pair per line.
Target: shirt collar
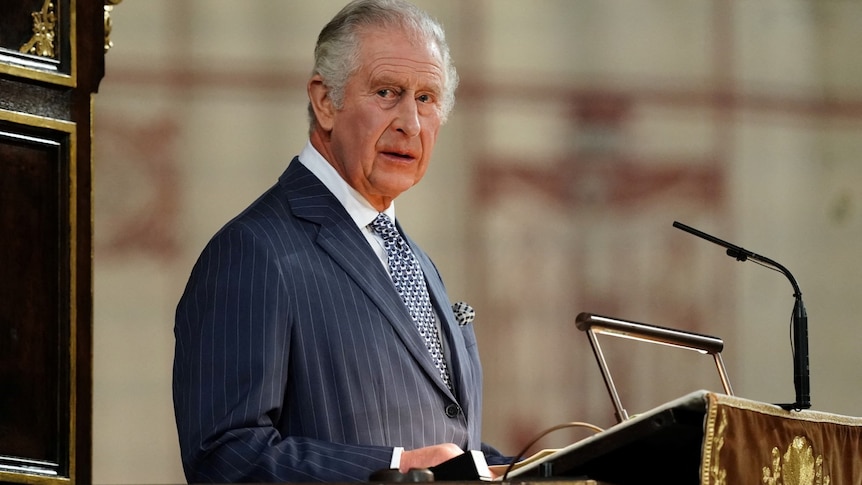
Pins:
x,y
359,209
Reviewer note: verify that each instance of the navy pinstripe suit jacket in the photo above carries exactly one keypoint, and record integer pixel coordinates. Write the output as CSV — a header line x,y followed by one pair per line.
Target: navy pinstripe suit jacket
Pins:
x,y
296,360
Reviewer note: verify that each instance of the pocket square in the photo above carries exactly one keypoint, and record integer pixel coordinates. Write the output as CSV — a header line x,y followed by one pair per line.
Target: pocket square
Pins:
x,y
464,313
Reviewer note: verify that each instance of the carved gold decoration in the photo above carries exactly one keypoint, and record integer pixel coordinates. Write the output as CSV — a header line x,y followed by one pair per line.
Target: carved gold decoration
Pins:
x,y
42,42
109,24
797,467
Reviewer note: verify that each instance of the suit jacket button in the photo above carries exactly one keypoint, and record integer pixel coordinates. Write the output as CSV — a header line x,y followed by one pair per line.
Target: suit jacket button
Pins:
x,y
453,410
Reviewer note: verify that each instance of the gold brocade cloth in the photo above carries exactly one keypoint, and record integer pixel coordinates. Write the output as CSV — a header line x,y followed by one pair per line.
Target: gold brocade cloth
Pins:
x,y
747,442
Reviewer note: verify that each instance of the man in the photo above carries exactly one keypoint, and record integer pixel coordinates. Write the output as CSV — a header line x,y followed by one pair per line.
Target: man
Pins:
x,y
296,357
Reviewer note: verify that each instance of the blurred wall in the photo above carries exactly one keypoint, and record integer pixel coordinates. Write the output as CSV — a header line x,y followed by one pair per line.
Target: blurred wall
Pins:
x,y
582,131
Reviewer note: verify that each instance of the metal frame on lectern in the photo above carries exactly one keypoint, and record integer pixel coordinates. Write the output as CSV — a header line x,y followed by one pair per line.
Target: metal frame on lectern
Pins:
x,y
595,324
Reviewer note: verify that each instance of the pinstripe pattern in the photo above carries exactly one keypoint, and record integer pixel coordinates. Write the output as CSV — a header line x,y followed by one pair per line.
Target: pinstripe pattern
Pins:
x,y
296,360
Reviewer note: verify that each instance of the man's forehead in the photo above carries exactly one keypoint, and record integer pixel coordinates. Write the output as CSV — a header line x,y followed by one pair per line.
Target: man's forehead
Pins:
x,y
397,62
399,67
398,41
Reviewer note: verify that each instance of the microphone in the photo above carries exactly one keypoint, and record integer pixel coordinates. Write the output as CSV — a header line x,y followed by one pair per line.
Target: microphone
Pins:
x,y
799,318
464,313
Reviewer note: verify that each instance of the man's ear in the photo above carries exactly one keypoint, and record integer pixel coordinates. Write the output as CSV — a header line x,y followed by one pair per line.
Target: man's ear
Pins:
x,y
321,103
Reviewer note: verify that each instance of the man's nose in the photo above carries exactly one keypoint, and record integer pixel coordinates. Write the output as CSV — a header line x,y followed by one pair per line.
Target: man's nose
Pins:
x,y
407,119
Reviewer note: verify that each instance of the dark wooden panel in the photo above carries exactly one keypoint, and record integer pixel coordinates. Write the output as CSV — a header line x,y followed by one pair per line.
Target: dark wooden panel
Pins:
x,y
35,314
35,99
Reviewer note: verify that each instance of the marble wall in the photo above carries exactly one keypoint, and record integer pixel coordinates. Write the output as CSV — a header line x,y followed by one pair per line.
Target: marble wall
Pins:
x,y
582,131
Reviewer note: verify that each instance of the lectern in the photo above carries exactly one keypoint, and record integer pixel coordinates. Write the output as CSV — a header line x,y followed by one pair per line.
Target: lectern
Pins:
x,y
704,438
713,439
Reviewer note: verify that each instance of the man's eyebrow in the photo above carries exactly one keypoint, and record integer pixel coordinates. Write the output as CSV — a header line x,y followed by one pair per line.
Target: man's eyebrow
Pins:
x,y
387,79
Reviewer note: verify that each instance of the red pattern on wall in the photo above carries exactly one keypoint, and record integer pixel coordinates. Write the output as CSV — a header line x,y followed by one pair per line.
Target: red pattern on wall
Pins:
x,y
137,189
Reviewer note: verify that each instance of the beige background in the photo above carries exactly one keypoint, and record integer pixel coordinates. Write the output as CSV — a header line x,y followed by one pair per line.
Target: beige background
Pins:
x,y
582,130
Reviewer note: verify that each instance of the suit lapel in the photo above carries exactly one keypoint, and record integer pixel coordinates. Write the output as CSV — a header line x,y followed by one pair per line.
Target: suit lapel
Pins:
x,y
339,237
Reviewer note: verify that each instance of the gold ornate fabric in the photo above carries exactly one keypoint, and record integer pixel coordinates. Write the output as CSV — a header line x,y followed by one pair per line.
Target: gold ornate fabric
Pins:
x,y
747,442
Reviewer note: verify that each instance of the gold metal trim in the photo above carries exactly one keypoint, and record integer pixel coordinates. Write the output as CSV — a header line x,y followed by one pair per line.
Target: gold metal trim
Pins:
x,y
73,303
42,42
109,24
38,121
70,129
36,72
34,479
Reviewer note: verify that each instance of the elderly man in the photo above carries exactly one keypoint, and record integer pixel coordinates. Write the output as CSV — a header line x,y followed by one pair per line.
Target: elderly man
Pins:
x,y
314,340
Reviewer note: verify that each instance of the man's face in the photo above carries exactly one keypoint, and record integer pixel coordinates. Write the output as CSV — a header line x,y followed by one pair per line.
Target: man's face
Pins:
x,y
382,138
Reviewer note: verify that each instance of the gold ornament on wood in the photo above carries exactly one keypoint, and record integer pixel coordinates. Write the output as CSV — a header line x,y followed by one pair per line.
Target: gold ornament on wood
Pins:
x,y
109,25
42,42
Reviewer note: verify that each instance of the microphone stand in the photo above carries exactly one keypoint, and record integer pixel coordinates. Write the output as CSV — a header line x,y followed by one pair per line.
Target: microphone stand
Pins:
x,y
799,319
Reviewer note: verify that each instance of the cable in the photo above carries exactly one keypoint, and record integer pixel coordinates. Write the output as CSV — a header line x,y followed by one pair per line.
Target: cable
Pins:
x,y
573,424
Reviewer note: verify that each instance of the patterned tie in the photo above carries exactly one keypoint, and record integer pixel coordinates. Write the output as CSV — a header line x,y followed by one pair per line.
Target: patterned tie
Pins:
x,y
410,283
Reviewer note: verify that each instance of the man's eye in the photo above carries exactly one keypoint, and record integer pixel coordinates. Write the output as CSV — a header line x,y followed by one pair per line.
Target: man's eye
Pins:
x,y
385,93
424,98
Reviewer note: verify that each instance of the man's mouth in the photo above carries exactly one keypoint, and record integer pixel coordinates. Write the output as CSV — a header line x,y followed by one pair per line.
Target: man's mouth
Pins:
x,y
401,155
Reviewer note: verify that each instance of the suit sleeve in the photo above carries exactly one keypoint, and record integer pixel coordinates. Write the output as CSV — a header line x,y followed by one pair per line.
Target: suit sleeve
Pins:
x,y
231,368
494,457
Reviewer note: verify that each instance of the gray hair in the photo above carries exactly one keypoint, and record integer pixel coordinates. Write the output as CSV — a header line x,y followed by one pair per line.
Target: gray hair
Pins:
x,y
336,55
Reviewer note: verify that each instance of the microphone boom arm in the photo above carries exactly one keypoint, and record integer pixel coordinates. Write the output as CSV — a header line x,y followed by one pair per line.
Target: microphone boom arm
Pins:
x,y
799,319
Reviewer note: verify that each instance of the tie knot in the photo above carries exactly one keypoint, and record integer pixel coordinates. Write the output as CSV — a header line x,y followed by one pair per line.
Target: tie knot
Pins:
x,y
383,226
